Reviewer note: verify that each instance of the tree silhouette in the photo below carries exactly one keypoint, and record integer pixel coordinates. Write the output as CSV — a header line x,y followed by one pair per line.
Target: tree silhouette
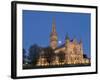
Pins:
x,y
85,56
50,55
34,54
61,56
24,56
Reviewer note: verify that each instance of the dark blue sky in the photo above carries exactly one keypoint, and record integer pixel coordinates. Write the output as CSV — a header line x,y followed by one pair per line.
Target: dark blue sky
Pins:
x,y
37,26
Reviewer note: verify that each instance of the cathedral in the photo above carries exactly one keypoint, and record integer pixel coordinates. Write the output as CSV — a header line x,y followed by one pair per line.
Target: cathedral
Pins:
x,y
71,52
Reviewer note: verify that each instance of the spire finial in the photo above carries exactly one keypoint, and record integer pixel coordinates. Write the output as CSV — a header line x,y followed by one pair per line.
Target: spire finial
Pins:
x,y
54,26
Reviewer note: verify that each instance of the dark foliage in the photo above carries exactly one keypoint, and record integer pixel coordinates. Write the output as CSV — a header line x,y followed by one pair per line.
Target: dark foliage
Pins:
x,y
34,51
85,56
24,56
61,56
50,55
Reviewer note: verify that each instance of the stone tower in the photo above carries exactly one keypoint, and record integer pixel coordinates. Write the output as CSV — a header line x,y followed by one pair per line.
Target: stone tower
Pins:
x,y
53,37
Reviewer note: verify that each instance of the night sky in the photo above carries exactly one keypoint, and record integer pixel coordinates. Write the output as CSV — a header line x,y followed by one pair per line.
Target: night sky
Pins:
x,y
37,26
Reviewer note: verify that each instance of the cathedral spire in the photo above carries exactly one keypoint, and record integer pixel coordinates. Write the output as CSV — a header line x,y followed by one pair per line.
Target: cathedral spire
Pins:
x,y
53,36
53,32
54,26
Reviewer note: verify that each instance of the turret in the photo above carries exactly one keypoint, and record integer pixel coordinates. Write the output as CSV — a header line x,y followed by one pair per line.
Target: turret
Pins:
x,y
75,41
67,40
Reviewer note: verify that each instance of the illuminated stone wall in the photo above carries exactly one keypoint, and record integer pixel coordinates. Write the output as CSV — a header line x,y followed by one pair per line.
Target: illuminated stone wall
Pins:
x,y
72,49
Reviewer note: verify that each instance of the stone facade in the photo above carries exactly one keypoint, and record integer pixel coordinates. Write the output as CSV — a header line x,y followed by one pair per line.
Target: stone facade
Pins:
x,y
72,49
